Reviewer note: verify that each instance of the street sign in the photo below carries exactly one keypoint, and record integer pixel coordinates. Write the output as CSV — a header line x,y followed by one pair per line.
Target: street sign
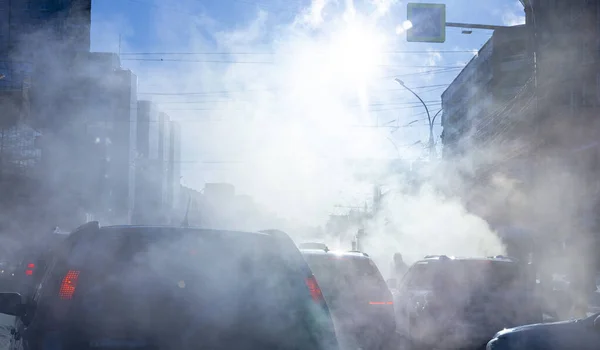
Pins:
x,y
428,23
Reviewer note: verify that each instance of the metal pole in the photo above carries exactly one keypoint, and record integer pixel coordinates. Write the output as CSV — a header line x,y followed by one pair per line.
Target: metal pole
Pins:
x,y
473,26
431,142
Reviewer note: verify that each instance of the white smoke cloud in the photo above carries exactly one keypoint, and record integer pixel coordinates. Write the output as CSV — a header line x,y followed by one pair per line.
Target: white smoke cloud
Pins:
x,y
284,123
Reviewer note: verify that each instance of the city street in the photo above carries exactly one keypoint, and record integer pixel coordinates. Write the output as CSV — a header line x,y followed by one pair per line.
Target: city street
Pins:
x,y
296,166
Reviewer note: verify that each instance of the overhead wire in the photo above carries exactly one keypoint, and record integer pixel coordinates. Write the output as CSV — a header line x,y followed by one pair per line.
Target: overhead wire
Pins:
x,y
218,92
274,53
272,62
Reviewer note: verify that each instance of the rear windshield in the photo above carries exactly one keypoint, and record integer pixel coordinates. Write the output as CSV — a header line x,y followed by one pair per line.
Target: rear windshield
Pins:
x,y
215,289
343,277
486,274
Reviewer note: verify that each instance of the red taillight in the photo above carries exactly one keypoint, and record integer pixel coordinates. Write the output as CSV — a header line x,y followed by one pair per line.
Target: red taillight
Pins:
x,y
68,285
29,271
314,289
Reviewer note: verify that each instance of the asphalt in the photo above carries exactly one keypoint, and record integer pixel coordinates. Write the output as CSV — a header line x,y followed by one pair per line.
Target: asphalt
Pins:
x,y
6,323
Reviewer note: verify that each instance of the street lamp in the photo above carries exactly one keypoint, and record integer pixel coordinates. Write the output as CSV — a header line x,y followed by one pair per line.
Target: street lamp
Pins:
x,y
431,120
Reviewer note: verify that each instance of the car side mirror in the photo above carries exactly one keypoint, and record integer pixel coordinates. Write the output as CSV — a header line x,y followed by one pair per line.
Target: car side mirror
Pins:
x,y
12,304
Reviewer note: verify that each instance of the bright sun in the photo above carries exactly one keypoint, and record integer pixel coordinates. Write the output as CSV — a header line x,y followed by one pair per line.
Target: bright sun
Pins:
x,y
356,51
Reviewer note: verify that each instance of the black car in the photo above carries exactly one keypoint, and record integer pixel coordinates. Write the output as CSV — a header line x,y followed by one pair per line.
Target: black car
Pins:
x,y
34,262
357,295
136,287
461,303
581,334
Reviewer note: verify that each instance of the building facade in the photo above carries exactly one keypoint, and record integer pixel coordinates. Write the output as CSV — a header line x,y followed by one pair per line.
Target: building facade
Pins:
x,y
89,151
31,27
487,91
148,197
567,49
174,166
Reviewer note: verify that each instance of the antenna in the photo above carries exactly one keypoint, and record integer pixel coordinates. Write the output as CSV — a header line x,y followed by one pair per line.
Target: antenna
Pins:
x,y
185,222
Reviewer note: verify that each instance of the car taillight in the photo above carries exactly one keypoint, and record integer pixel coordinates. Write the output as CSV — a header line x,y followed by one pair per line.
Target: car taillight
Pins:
x,y
68,285
314,289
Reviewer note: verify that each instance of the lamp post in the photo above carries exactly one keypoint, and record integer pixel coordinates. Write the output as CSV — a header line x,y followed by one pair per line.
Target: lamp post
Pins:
x,y
431,120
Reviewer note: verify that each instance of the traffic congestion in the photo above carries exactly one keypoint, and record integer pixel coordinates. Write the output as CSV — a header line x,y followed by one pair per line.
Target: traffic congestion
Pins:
x,y
299,175
146,287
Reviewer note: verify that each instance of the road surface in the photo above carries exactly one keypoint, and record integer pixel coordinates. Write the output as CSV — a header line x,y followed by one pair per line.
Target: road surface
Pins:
x,y
6,322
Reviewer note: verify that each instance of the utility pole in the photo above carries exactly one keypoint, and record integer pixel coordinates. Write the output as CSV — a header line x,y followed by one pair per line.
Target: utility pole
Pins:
x,y
431,143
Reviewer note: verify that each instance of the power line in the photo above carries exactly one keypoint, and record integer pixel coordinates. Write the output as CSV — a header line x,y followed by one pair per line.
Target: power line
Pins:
x,y
271,62
208,53
218,92
435,71
405,106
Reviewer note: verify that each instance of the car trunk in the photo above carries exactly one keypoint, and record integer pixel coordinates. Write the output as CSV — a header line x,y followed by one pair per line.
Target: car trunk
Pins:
x,y
487,296
356,293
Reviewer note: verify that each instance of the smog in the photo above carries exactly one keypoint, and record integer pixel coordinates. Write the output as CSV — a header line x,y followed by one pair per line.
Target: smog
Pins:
x,y
318,118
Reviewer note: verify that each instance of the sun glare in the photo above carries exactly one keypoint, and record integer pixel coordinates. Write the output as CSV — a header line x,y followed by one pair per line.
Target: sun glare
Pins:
x,y
357,51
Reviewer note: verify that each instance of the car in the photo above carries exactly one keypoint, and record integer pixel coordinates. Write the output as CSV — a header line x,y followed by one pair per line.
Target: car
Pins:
x,y
34,261
453,302
581,334
357,295
148,287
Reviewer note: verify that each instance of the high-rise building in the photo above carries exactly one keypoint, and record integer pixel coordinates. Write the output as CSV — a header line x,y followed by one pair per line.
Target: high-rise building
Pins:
x,y
148,197
31,27
164,136
568,72
174,165
123,145
90,140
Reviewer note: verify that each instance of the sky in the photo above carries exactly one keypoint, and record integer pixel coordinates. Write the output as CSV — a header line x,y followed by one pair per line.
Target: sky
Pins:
x,y
275,96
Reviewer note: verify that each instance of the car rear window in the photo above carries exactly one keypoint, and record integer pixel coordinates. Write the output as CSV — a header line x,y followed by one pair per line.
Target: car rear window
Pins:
x,y
214,289
348,277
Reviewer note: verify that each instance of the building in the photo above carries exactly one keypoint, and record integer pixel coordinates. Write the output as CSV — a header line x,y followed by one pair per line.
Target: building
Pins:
x,y
565,41
89,124
487,91
123,146
148,195
164,138
41,36
174,165
158,195
31,27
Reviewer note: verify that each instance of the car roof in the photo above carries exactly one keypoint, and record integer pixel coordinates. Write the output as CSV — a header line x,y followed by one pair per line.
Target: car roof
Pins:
x,y
497,258
124,228
340,253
